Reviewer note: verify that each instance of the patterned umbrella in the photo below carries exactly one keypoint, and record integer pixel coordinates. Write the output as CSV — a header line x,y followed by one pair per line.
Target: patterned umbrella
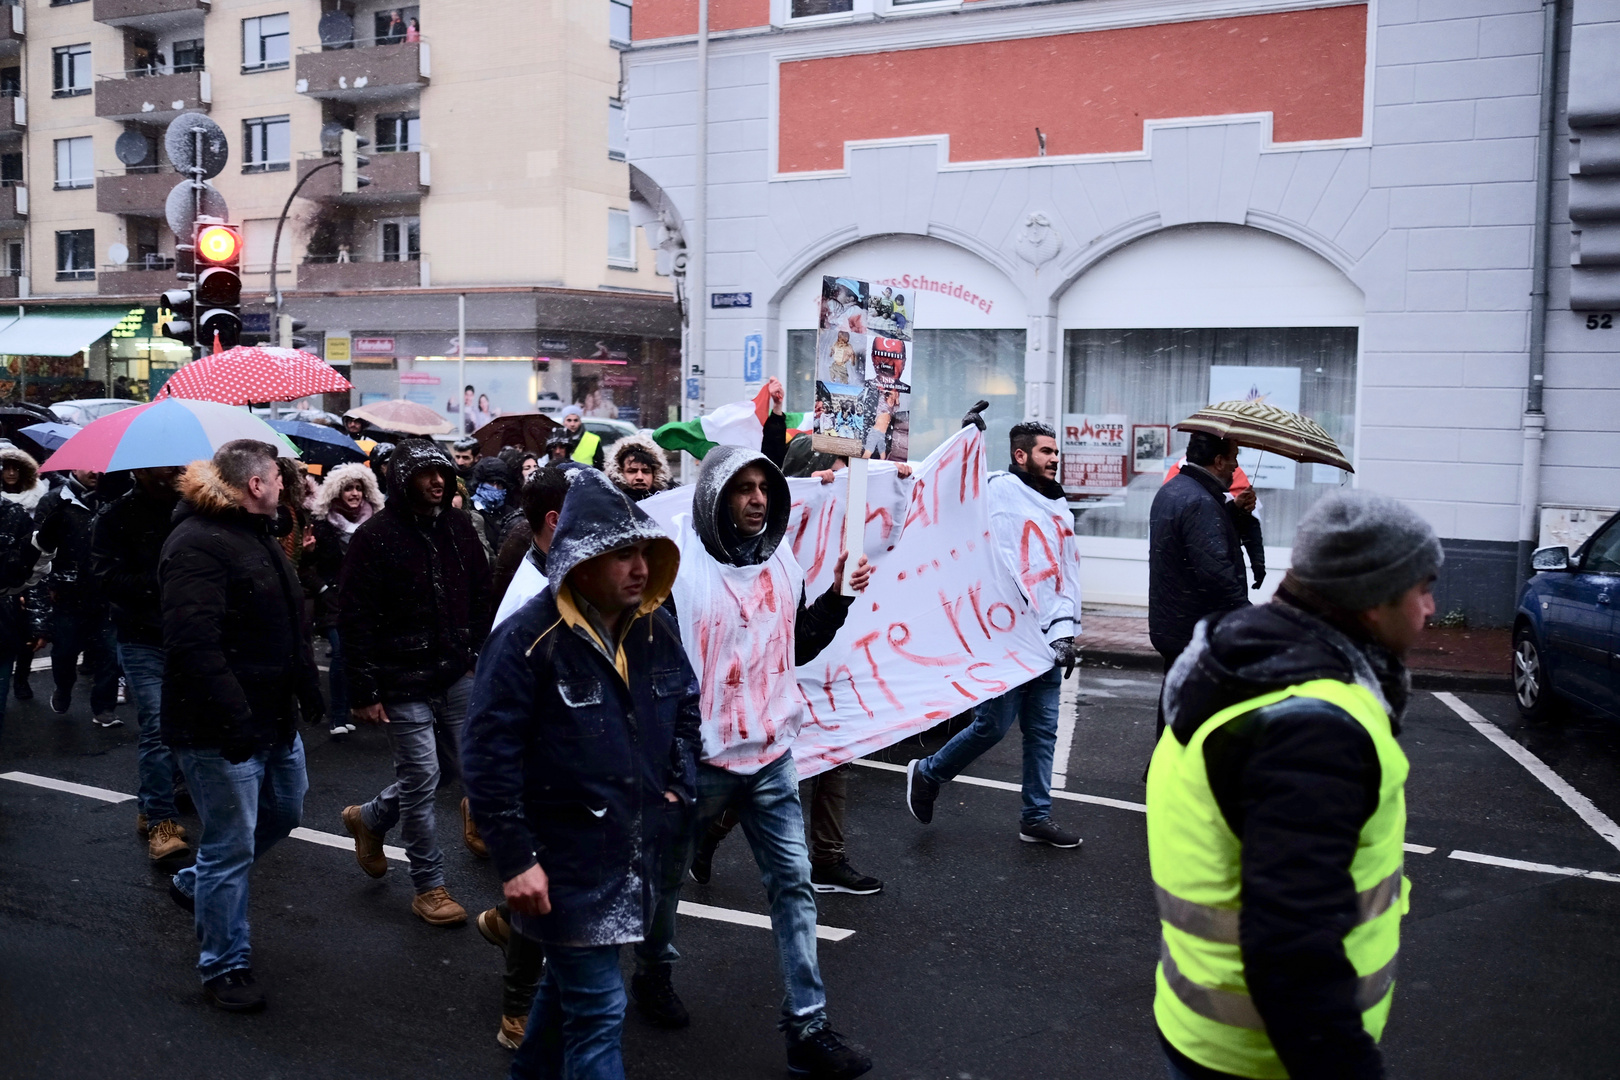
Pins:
x,y
405,417
255,373
169,432
1265,427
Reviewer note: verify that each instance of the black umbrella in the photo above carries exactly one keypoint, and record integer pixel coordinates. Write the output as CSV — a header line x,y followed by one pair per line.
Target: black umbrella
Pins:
x,y
319,444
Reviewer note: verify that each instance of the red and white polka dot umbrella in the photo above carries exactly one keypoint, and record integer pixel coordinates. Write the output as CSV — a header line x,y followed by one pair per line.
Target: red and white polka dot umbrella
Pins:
x,y
255,373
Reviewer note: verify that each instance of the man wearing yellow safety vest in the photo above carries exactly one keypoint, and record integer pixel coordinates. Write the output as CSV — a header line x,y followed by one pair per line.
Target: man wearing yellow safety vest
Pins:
x,y
1276,807
585,447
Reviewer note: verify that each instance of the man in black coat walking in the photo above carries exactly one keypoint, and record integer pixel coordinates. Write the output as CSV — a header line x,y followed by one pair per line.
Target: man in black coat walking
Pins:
x,y
78,609
414,606
240,667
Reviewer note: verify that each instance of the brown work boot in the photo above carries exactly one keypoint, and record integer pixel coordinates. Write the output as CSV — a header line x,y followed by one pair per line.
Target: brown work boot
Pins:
x,y
140,826
166,840
469,833
436,907
368,846
511,1031
496,930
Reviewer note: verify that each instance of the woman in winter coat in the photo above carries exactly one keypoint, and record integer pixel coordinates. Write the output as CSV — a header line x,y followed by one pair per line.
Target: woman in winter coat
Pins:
x,y
21,483
345,501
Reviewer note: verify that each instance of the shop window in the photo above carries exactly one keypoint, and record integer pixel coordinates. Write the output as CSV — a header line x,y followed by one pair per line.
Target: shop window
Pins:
x,y
74,167
399,133
76,255
618,141
1161,376
266,43
70,70
621,240
401,239
268,144
954,369
619,22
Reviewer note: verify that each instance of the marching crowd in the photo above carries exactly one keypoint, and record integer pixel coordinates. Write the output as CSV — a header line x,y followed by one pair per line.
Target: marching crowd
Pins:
x,y
522,626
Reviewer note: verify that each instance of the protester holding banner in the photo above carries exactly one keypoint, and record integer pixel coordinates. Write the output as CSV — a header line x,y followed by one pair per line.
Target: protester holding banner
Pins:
x,y
746,628
1028,515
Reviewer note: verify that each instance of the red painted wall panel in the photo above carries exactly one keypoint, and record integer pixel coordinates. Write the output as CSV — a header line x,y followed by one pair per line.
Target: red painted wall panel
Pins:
x,y
673,18
1088,92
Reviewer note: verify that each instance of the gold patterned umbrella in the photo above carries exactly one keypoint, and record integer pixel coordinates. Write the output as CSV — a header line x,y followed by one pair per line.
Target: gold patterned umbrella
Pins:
x,y
1259,426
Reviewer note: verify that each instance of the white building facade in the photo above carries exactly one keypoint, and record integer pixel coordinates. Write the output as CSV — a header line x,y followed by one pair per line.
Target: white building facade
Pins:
x,y
1109,207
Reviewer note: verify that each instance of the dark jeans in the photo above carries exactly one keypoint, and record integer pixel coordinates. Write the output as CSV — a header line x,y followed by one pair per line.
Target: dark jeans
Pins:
x,y
1034,706
6,663
525,963
337,679
154,763
578,1016
88,631
829,794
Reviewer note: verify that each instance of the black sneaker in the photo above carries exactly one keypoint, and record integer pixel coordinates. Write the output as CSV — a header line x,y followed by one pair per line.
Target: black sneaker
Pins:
x,y
702,867
920,792
187,903
825,1055
60,702
106,720
1047,833
842,877
234,991
23,691
656,1000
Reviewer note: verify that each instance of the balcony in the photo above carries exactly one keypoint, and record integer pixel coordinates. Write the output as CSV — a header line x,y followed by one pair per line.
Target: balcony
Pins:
x,y
150,15
132,279
13,205
13,113
8,285
140,194
402,177
366,72
139,95
323,275
11,33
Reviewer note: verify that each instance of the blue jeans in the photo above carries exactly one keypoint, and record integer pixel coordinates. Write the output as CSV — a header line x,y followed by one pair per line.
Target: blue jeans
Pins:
x,y
1035,706
768,804
9,661
88,631
576,1019
426,737
337,679
245,808
143,677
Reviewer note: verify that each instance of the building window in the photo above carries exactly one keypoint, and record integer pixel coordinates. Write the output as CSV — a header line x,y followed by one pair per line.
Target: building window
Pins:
x,y
394,25
268,144
14,258
618,140
266,42
74,168
11,169
621,240
803,9
188,56
399,133
70,70
76,255
619,22
10,81
401,239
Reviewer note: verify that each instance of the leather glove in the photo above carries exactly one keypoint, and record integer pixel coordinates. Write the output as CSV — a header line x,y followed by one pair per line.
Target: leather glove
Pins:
x,y
236,753
972,415
1259,580
1066,654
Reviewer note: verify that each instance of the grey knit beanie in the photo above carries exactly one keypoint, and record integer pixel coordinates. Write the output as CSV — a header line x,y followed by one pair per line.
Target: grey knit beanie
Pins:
x,y
1357,550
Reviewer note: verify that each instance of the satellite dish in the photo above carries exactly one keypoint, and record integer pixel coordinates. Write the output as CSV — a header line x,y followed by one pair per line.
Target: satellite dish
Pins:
x,y
132,148
178,140
332,137
336,31
180,214
118,254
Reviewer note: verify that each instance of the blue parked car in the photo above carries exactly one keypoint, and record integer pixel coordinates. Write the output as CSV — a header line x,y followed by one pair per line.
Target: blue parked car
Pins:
x,y
1566,635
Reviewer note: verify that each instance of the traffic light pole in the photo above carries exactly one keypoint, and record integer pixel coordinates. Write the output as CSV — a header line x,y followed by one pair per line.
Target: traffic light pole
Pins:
x,y
275,245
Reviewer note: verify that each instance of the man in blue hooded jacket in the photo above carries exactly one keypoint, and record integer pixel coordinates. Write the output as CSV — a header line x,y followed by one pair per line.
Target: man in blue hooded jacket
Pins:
x,y
578,755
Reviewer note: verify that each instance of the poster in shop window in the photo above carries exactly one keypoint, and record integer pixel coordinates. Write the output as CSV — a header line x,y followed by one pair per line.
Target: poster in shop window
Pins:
x,y
1093,448
863,371
1277,386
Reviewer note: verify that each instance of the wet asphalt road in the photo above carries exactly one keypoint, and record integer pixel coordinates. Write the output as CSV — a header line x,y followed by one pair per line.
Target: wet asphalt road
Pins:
x,y
983,959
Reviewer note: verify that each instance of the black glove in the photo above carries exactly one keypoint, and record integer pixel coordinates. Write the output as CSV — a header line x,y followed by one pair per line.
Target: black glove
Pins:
x,y
236,753
972,415
1259,580
1065,654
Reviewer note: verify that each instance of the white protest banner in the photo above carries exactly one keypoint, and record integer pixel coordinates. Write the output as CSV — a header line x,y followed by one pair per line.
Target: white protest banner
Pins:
x,y
943,625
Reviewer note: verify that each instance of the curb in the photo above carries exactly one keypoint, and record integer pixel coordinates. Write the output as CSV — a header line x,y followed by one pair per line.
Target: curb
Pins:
x,y
1422,678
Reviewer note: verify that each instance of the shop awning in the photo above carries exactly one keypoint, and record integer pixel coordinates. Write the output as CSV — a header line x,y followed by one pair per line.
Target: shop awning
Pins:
x,y
57,333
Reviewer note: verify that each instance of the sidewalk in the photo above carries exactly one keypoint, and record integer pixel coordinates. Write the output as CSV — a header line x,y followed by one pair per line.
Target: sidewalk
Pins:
x,y
1444,659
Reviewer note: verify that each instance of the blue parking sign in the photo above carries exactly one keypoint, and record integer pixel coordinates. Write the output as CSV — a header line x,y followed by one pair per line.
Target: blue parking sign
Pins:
x,y
692,393
754,358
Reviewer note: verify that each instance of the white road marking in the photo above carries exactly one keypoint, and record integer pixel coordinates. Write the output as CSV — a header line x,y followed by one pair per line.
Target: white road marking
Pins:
x,y
42,664
749,918
1002,785
1068,711
1540,868
71,788
1419,849
334,840
1600,822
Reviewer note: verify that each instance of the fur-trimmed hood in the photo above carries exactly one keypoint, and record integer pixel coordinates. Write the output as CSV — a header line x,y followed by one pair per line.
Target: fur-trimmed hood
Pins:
x,y
206,492
340,478
33,488
643,443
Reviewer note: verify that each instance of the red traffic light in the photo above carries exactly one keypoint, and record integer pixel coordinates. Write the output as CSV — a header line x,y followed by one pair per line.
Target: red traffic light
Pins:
x,y
218,244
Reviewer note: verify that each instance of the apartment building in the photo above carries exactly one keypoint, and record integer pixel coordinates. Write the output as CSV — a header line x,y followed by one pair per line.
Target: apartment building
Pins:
x,y
1122,210
497,173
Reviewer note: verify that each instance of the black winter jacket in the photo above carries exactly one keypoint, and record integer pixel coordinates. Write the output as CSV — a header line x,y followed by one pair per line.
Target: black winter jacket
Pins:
x,y
124,551
20,620
1296,786
67,517
414,592
240,662
566,761
1195,561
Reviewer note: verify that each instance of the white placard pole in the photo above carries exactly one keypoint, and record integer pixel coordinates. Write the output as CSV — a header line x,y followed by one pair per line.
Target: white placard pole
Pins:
x,y
854,520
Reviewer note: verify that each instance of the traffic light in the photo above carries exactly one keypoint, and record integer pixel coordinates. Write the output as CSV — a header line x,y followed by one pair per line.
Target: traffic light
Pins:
x,y
177,316
349,146
218,250
287,333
